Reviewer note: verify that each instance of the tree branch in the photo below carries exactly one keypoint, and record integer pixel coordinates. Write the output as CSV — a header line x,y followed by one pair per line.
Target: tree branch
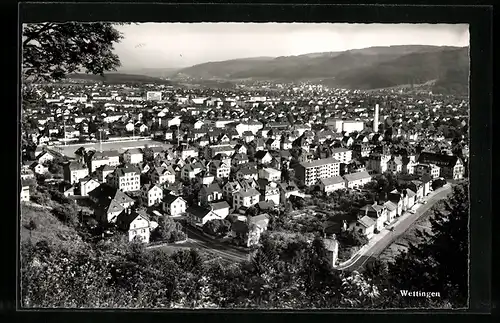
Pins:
x,y
46,27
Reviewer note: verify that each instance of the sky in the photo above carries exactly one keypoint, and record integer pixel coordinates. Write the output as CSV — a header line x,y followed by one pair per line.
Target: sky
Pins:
x,y
175,45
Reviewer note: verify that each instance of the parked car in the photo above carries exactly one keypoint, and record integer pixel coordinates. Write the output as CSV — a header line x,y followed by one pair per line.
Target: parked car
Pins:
x,y
412,211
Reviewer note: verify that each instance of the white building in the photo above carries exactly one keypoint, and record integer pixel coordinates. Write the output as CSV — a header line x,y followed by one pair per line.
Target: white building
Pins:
x,y
270,174
151,194
328,185
245,198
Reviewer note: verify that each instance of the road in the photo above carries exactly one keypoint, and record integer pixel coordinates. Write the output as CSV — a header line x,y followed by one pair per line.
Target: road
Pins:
x,y
401,227
217,248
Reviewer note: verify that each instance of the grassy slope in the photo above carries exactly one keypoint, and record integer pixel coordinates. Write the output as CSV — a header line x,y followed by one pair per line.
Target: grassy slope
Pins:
x,y
49,228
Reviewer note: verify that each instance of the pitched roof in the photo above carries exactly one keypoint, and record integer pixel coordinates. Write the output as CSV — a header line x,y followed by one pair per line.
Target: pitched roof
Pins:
x,y
169,199
219,205
261,154
357,176
248,192
366,221
332,180
391,206
198,211
438,159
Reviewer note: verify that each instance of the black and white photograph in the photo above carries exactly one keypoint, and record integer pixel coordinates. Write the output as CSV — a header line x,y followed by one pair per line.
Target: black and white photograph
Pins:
x,y
234,165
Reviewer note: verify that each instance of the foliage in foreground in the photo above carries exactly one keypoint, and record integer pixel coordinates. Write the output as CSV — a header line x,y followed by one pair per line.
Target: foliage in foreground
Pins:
x,y
288,270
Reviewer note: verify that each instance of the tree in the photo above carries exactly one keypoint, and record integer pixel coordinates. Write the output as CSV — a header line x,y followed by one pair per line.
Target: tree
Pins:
x,y
440,261
168,230
31,226
53,50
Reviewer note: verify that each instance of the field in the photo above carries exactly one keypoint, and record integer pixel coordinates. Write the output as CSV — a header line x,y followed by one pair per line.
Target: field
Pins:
x,y
121,146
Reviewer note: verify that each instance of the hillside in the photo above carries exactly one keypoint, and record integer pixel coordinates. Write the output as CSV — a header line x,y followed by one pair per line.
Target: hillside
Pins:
x,y
49,228
374,67
117,78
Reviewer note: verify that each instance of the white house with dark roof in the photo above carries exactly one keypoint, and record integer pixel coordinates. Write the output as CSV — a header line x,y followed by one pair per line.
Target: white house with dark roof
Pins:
x,y
151,194
136,224
200,215
174,205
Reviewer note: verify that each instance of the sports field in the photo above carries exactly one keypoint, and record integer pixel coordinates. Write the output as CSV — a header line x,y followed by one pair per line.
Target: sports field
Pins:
x,y
69,150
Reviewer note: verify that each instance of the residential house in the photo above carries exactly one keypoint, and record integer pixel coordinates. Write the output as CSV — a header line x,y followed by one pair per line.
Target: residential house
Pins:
x,y
273,144
245,197
38,168
451,167
429,169
45,156
330,184
103,172
25,192
137,224
395,164
210,193
73,172
87,185
356,180
220,208
189,171
250,231
392,210
270,174
376,212
287,189
239,159
263,157
229,189
125,179
417,187
133,156
342,154
205,178
161,175
247,173
200,215
174,205
269,192
219,169
151,194
364,226
111,158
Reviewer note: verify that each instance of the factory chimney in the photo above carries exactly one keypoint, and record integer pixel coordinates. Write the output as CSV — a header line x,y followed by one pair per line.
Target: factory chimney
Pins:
x,y
375,119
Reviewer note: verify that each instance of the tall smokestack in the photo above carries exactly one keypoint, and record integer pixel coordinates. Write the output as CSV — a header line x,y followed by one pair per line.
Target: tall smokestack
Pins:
x,y
375,119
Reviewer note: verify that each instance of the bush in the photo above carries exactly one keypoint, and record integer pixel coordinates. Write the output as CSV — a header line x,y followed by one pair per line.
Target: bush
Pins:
x,y
352,238
438,183
217,227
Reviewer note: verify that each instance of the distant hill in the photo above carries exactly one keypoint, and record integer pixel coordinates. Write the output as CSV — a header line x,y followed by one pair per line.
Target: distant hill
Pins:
x,y
368,68
163,72
117,78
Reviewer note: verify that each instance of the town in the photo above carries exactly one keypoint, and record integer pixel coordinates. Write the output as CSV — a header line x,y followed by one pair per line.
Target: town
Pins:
x,y
213,169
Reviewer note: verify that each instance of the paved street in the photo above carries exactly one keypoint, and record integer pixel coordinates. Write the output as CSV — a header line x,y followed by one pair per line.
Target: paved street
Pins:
x,y
403,224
